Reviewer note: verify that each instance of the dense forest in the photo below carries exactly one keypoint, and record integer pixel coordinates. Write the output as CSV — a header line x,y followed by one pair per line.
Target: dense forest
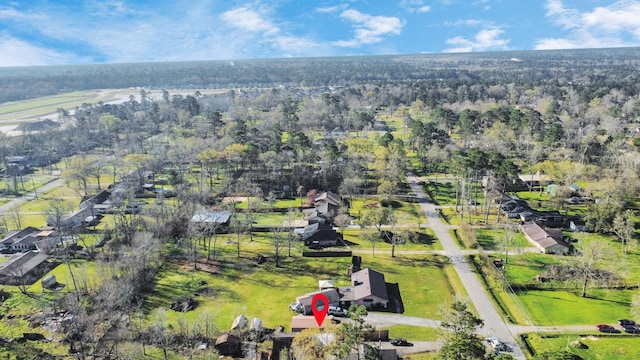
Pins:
x,y
586,69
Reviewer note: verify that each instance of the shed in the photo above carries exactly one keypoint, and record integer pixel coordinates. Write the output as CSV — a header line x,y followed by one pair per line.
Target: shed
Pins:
x,y
228,345
578,225
49,282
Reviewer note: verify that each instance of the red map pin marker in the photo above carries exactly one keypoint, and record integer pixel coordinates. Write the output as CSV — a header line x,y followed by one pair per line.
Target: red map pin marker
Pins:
x,y
319,307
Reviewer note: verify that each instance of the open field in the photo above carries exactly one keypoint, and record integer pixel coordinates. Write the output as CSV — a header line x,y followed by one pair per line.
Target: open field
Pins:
x,y
599,347
232,284
15,112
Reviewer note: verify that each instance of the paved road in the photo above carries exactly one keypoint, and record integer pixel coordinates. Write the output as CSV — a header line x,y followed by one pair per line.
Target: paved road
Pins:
x,y
30,196
494,325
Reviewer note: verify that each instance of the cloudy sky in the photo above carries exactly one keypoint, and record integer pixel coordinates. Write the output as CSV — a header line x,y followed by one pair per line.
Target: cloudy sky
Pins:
x,y
44,32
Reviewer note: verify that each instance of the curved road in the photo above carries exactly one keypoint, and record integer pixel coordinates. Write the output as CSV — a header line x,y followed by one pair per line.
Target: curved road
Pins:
x,y
494,325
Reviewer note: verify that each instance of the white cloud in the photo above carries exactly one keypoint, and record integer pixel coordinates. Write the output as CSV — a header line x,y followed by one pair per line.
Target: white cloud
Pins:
x,y
470,22
332,9
484,40
417,6
605,26
249,20
369,29
14,52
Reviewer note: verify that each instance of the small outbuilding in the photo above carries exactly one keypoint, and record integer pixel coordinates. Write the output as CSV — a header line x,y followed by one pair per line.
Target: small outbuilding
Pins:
x,y
228,345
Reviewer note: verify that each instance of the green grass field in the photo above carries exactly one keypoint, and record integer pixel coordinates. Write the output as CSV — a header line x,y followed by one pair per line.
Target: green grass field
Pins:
x,y
49,104
236,287
561,307
599,347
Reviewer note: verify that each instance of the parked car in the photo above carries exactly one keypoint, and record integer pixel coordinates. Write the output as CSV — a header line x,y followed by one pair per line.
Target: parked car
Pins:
x,y
502,347
400,342
296,307
631,329
337,311
624,322
498,345
607,329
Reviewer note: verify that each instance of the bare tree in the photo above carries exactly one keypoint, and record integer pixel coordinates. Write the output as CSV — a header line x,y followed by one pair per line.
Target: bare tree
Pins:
x,y
624,227
251,214
590,255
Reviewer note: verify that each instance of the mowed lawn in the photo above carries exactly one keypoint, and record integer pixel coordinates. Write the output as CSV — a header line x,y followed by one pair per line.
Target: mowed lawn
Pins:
x,y
231,287
560,307
599,348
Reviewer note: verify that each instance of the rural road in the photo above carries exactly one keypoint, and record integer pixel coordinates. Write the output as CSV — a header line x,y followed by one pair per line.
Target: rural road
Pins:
x,y
494,325
6,208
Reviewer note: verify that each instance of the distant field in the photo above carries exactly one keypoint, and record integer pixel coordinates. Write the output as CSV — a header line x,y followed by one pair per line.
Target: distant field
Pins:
x,y
12,111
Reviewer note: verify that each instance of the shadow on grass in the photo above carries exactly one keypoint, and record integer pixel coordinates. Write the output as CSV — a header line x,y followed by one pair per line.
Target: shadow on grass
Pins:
x,y
486,241
425,239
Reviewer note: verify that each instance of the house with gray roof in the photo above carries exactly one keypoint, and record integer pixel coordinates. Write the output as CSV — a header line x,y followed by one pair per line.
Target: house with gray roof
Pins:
x,y
218,220
368,287
23,268
549,241
23,240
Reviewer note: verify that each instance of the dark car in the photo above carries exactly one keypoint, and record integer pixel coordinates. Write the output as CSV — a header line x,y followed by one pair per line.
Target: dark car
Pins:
x,y
502,347
400,342
624,322
607,329
631,329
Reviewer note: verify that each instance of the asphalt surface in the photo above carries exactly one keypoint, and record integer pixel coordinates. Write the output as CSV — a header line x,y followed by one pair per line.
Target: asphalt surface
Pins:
x,y
6,208
494,325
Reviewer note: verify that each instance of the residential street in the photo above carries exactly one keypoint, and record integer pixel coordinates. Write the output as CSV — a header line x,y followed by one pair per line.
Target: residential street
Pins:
x,y
30,196
494,325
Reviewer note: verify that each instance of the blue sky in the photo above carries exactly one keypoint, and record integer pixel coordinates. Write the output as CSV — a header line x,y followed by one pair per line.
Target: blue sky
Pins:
x,y
45,32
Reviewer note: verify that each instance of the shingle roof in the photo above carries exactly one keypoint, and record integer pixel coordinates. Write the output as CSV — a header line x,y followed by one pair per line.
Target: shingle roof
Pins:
x,y
546,238
368,282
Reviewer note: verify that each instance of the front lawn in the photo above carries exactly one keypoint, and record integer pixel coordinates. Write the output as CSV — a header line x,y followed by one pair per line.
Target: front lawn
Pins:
x,y
230,287
619,347
560,307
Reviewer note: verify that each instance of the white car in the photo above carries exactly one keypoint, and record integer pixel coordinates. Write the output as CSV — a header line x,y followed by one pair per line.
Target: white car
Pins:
x,y
337,311
296,307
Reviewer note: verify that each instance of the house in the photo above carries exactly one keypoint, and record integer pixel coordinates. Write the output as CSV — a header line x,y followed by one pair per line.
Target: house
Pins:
x,y
18,165
23,240
514,213
550,219
23,268
549,241
368,288
302,322
303,303
546,218
319,235
327,204
100,202
218,220
534,180
74,220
